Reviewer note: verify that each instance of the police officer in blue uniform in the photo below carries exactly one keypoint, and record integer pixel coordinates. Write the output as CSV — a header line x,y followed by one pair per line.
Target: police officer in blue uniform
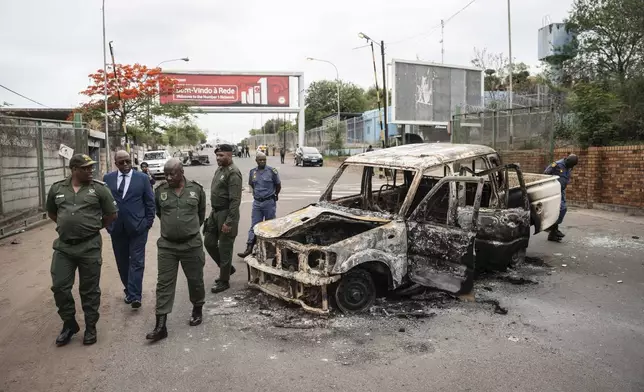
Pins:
x,y
563,169
266,185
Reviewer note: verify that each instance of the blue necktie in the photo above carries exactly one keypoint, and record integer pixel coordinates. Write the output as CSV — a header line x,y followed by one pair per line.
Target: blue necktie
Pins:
x,y
121,186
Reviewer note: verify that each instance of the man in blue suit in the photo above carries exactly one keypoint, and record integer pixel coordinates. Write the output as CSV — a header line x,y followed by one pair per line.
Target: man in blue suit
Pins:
x,y
133,194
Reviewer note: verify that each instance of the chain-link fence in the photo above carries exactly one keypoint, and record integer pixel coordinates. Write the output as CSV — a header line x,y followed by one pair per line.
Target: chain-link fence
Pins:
x,y
30,163
355,134
517,129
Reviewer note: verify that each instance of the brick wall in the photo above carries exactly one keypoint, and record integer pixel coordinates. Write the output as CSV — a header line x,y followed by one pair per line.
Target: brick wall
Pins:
x,y
605,175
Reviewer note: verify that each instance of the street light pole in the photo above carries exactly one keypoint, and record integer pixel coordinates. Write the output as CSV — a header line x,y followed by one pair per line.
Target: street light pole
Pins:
x,y
337,82
186,59
107,137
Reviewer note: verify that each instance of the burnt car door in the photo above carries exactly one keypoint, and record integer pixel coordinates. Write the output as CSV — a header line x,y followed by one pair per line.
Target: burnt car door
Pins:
x,y
503,231
440,250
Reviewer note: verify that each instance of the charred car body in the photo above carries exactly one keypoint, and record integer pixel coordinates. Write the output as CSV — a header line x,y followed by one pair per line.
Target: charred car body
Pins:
x,y
445,211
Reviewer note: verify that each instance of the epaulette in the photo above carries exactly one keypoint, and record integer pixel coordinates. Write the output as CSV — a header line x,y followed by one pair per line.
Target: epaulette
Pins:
x,y
99,182
274,170
160,184
197,182
59,181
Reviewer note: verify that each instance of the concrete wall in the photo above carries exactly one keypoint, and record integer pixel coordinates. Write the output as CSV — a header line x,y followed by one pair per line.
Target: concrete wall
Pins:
x,y
20,185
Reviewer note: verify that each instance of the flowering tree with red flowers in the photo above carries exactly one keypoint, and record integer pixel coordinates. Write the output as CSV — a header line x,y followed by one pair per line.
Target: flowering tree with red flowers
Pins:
x,y
138,88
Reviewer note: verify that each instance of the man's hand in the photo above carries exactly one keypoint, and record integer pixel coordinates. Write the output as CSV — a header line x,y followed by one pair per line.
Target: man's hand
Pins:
x,y
225,228
276,197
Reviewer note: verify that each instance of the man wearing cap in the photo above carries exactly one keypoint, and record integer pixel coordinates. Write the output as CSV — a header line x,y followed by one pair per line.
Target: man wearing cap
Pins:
x,y
81,207
221,227
563,169
266,186
132,191
181,208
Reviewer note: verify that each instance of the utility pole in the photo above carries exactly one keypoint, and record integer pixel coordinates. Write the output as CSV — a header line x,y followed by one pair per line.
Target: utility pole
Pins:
x,y
107,126
121,104
375,76
384,89
510,91
442,41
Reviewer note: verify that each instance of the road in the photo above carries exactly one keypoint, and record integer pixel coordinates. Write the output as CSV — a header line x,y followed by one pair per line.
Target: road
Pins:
x,y
575,329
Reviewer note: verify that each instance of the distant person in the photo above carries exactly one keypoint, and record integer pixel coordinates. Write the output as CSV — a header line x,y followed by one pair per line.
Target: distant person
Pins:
x,y
563,169
133,193
181,208
369,148
81,207
266,185
282,154
146,170
273,150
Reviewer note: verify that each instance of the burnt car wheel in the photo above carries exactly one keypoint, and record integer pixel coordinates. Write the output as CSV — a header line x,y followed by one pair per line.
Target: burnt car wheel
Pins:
x,y
356,291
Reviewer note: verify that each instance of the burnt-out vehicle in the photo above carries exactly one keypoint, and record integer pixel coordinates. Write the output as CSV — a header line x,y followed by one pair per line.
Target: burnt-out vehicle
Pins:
x,y
444,212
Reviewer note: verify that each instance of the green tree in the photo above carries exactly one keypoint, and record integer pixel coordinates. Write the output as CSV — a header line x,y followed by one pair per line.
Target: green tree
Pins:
x,y
372,98
609,38
595,109
337,136
184,133
322,100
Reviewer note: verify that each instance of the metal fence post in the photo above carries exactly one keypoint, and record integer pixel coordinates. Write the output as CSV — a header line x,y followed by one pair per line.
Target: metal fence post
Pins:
x,y
41,164
495,119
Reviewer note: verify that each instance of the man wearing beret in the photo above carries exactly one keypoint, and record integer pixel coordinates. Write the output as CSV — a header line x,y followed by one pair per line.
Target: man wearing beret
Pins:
x,y
220,229
81,207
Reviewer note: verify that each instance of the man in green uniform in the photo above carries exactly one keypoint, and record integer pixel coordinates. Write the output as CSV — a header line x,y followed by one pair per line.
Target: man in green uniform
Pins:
x,y
222,224
81,207
181,208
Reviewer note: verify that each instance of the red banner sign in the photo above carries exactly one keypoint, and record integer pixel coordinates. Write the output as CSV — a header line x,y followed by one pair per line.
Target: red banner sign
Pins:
x,y
228,90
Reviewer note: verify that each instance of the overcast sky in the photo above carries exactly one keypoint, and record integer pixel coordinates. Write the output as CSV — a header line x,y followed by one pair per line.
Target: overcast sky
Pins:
x,y
47,48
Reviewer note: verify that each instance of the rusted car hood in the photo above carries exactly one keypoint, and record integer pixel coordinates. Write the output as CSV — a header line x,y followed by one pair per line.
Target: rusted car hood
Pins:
x,y
277,227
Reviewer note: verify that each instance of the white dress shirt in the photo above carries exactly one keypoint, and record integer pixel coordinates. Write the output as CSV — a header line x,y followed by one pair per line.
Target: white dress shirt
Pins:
x,y
127,178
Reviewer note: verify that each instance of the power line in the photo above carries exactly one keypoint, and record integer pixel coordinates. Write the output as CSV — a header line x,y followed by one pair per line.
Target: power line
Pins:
x,y
434,28
20,95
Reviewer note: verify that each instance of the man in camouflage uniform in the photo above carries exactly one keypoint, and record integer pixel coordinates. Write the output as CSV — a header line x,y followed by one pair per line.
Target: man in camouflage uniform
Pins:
x,y
563,169
222,224
81,207
181,208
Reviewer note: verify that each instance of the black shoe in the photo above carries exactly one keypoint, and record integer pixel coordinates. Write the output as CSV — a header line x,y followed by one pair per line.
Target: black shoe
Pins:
x,y
160,331
248,251
197,316
90,334
558,233
232,271
127,300
554,237
220,286
136,304
69,329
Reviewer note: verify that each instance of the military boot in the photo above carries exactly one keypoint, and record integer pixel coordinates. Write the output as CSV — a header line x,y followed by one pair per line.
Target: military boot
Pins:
x,y
70,328
197,316
219,286
160,331
552,235
247,252
90,334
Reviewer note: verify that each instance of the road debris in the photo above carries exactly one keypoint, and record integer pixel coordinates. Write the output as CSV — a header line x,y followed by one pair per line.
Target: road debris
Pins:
x,y
498,309
620,281
513,339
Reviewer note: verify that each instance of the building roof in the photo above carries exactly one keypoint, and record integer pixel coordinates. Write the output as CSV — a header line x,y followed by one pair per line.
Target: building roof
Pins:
x,y
59,114
419,156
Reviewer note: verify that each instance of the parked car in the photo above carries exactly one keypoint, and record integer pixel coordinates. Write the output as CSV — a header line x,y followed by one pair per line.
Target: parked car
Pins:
x,y
156,160
308,156
263,149
446,211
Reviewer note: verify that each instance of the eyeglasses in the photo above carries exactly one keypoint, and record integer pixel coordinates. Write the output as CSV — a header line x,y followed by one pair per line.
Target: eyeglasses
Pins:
x,y
124,162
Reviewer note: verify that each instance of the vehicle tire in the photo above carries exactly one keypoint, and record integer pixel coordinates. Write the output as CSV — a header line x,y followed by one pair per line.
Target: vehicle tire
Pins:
x,y
356,291
518,257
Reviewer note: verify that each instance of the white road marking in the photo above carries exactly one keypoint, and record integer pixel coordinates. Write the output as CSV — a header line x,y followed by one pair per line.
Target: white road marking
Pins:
x,y
313,181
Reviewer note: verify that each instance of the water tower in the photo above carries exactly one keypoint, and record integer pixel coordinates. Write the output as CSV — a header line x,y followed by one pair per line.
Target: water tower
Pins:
x,y
556,45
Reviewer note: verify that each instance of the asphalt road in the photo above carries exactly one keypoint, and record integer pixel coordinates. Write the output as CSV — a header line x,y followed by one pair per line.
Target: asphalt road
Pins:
x,y
573,327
